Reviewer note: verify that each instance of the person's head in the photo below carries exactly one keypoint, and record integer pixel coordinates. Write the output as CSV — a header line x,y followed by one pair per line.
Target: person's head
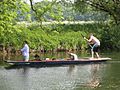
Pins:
x,y
91,34
36,56
25,42
69,53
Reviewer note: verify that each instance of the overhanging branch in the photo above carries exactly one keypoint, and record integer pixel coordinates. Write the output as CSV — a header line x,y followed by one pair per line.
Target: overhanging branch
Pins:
x,y
31,4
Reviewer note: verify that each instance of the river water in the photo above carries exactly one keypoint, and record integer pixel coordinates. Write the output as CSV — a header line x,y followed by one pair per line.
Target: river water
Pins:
x,y
102,76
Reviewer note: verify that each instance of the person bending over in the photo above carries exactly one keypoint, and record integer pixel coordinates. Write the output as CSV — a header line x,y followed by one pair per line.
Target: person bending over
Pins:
x,y
96,45
73,56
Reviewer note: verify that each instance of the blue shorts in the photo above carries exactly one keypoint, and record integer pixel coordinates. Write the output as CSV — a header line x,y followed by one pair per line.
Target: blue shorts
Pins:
x,y
95,47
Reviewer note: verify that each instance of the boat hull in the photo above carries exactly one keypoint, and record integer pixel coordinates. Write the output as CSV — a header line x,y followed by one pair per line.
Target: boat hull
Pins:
x,y
57,62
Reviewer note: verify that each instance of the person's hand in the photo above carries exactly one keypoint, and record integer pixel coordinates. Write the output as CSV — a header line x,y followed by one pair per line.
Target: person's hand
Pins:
x,y
84,37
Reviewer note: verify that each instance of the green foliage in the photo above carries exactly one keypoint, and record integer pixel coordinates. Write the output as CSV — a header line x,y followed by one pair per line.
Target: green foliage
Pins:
x,y
8,14
81,6
48,10
53,36
23,11
111,7
110,37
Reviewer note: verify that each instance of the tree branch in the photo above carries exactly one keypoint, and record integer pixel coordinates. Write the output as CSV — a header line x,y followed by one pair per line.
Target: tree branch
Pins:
x,y
32,6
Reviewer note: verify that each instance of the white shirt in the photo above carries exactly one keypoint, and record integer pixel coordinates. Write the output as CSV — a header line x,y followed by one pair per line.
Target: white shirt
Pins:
x,y
94,39
25,50
74,55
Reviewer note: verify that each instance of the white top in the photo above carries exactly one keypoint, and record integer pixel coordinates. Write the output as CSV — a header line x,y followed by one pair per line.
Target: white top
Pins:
x,y
74,55
94,39
25,50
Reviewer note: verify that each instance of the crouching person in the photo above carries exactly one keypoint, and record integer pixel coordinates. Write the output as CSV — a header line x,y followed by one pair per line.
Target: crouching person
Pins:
x,y
73,56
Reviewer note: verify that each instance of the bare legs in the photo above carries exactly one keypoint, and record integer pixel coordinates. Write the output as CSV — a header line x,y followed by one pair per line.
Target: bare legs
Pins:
x,y
94,49
92,54
95,53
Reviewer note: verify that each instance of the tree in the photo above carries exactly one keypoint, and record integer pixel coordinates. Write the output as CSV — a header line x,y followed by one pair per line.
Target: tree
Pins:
x,y
8,16
111,7
41,8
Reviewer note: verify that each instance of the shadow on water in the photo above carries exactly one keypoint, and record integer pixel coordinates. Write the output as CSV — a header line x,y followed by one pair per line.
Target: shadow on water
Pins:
x,y
71,66
31,66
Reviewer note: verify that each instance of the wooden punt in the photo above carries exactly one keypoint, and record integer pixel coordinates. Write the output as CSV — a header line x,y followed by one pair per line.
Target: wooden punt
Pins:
x,y
57,62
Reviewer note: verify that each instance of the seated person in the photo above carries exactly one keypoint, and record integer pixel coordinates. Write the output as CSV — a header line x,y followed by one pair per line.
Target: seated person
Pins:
x,y
47,59
37,57
53,58
73,56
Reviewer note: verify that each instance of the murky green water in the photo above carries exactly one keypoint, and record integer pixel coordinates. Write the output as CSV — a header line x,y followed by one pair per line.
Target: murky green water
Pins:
x,y
104,76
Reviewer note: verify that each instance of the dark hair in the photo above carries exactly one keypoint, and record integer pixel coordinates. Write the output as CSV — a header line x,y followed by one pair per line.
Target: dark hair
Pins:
x,y
26,41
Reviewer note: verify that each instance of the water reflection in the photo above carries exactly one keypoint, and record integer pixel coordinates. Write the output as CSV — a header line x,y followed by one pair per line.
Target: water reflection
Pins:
x,y
71,69
95,79
89,71
50,78
25,71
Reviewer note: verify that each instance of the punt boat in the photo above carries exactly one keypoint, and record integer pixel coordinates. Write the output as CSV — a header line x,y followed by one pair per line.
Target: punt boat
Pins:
x,y
57,62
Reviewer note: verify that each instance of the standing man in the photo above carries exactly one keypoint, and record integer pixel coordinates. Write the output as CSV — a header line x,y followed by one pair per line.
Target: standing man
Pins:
x,y
96,45
25,51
